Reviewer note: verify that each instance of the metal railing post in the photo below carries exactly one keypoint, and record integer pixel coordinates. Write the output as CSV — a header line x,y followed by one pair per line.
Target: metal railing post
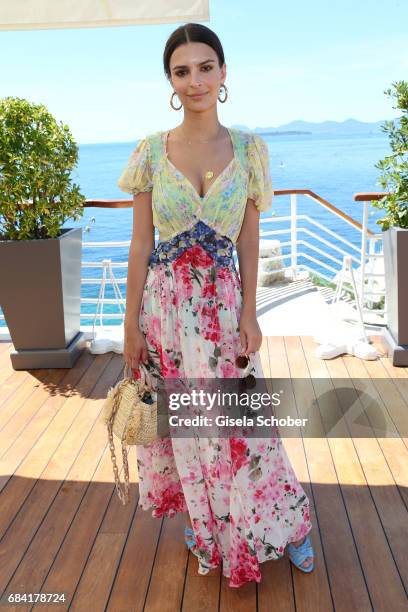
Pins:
x,y
370,287
293,235
363,251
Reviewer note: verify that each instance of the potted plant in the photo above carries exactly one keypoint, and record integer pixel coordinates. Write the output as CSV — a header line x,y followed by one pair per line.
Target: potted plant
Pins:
x,y
394,179
40,262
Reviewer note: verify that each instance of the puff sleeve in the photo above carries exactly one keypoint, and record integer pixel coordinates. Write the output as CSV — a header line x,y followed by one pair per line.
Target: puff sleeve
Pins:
x,y
137,175
259,182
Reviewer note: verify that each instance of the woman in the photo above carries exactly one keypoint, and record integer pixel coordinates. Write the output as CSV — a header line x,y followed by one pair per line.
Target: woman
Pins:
x,y
189,314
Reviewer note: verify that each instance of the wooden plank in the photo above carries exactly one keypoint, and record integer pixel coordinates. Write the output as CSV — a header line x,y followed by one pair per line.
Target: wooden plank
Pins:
x,y
276,588
389,393
380,574
311,591
170,566
42,550
277,581
107,552
394,449
6,368
394,371
70,562
264,355
46,415
382,348
24,405
393,391
101,570
242,599
343,573
201,593
133,575
59,465
100,567
31,456
23,392
390,507
11,383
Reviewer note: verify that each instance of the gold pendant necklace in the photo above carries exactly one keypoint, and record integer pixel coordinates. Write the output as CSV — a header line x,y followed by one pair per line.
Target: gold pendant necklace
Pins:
x,y
209,174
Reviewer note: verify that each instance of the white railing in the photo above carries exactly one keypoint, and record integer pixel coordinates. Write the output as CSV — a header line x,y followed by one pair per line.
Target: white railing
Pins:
x,y
358,255
322,263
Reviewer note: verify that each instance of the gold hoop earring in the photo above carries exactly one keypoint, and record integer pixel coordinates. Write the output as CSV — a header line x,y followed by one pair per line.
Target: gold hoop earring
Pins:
x,y
226,94
171,102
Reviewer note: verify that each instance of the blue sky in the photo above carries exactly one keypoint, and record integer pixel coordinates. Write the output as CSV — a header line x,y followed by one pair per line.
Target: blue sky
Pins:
x,y
314,61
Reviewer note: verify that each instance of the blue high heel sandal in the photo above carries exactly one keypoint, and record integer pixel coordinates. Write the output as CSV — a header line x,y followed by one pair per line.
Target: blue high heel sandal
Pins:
x,y
191,542
300,553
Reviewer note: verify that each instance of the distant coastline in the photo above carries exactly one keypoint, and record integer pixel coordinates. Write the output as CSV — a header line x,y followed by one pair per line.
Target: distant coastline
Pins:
x,y
347,127
302,128
284,133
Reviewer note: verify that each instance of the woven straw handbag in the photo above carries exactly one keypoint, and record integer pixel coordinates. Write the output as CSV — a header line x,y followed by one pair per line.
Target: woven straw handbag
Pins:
x,y
130,412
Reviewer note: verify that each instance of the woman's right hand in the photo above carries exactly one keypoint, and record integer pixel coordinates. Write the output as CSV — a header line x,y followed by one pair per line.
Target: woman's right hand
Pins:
x,y
135,347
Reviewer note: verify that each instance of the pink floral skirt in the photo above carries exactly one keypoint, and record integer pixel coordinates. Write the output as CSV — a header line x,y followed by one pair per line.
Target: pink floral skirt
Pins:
x,y
242,495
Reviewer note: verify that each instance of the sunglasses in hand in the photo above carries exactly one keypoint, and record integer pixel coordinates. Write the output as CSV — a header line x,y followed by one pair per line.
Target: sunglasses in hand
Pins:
x,y
248,382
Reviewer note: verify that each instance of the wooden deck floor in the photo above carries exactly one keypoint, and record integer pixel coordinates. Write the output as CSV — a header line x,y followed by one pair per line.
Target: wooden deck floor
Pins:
x,y
63,529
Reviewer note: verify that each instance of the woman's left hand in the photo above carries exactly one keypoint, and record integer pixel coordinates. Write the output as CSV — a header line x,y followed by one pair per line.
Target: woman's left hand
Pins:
x,y
250,333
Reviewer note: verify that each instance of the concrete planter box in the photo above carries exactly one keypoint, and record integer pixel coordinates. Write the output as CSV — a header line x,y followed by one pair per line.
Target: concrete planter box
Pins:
x,y
395,245
40,288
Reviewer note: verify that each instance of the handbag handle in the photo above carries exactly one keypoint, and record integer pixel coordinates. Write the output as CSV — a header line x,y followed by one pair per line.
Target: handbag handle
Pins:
x,y
144,374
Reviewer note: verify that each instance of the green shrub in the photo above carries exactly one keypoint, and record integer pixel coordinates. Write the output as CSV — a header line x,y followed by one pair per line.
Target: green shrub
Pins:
x,y
394,167
37,155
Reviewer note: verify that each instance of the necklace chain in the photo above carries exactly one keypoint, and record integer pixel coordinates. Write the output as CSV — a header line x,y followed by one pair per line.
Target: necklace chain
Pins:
x,y
203,141
209,173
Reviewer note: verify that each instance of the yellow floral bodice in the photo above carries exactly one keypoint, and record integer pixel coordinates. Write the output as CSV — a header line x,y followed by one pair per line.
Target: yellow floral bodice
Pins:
x,y
177,206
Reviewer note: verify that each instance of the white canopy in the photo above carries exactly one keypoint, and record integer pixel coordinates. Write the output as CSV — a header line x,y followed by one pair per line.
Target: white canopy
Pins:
x,y
48,14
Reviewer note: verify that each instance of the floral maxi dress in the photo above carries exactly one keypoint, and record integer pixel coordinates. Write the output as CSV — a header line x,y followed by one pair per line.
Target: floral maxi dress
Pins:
x,y
242,495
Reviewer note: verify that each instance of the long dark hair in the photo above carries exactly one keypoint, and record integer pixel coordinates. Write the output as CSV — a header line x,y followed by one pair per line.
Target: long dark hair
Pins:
x,y
191,32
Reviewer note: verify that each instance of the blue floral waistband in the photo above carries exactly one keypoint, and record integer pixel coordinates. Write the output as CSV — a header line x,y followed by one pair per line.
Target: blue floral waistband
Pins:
x,y
219,247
